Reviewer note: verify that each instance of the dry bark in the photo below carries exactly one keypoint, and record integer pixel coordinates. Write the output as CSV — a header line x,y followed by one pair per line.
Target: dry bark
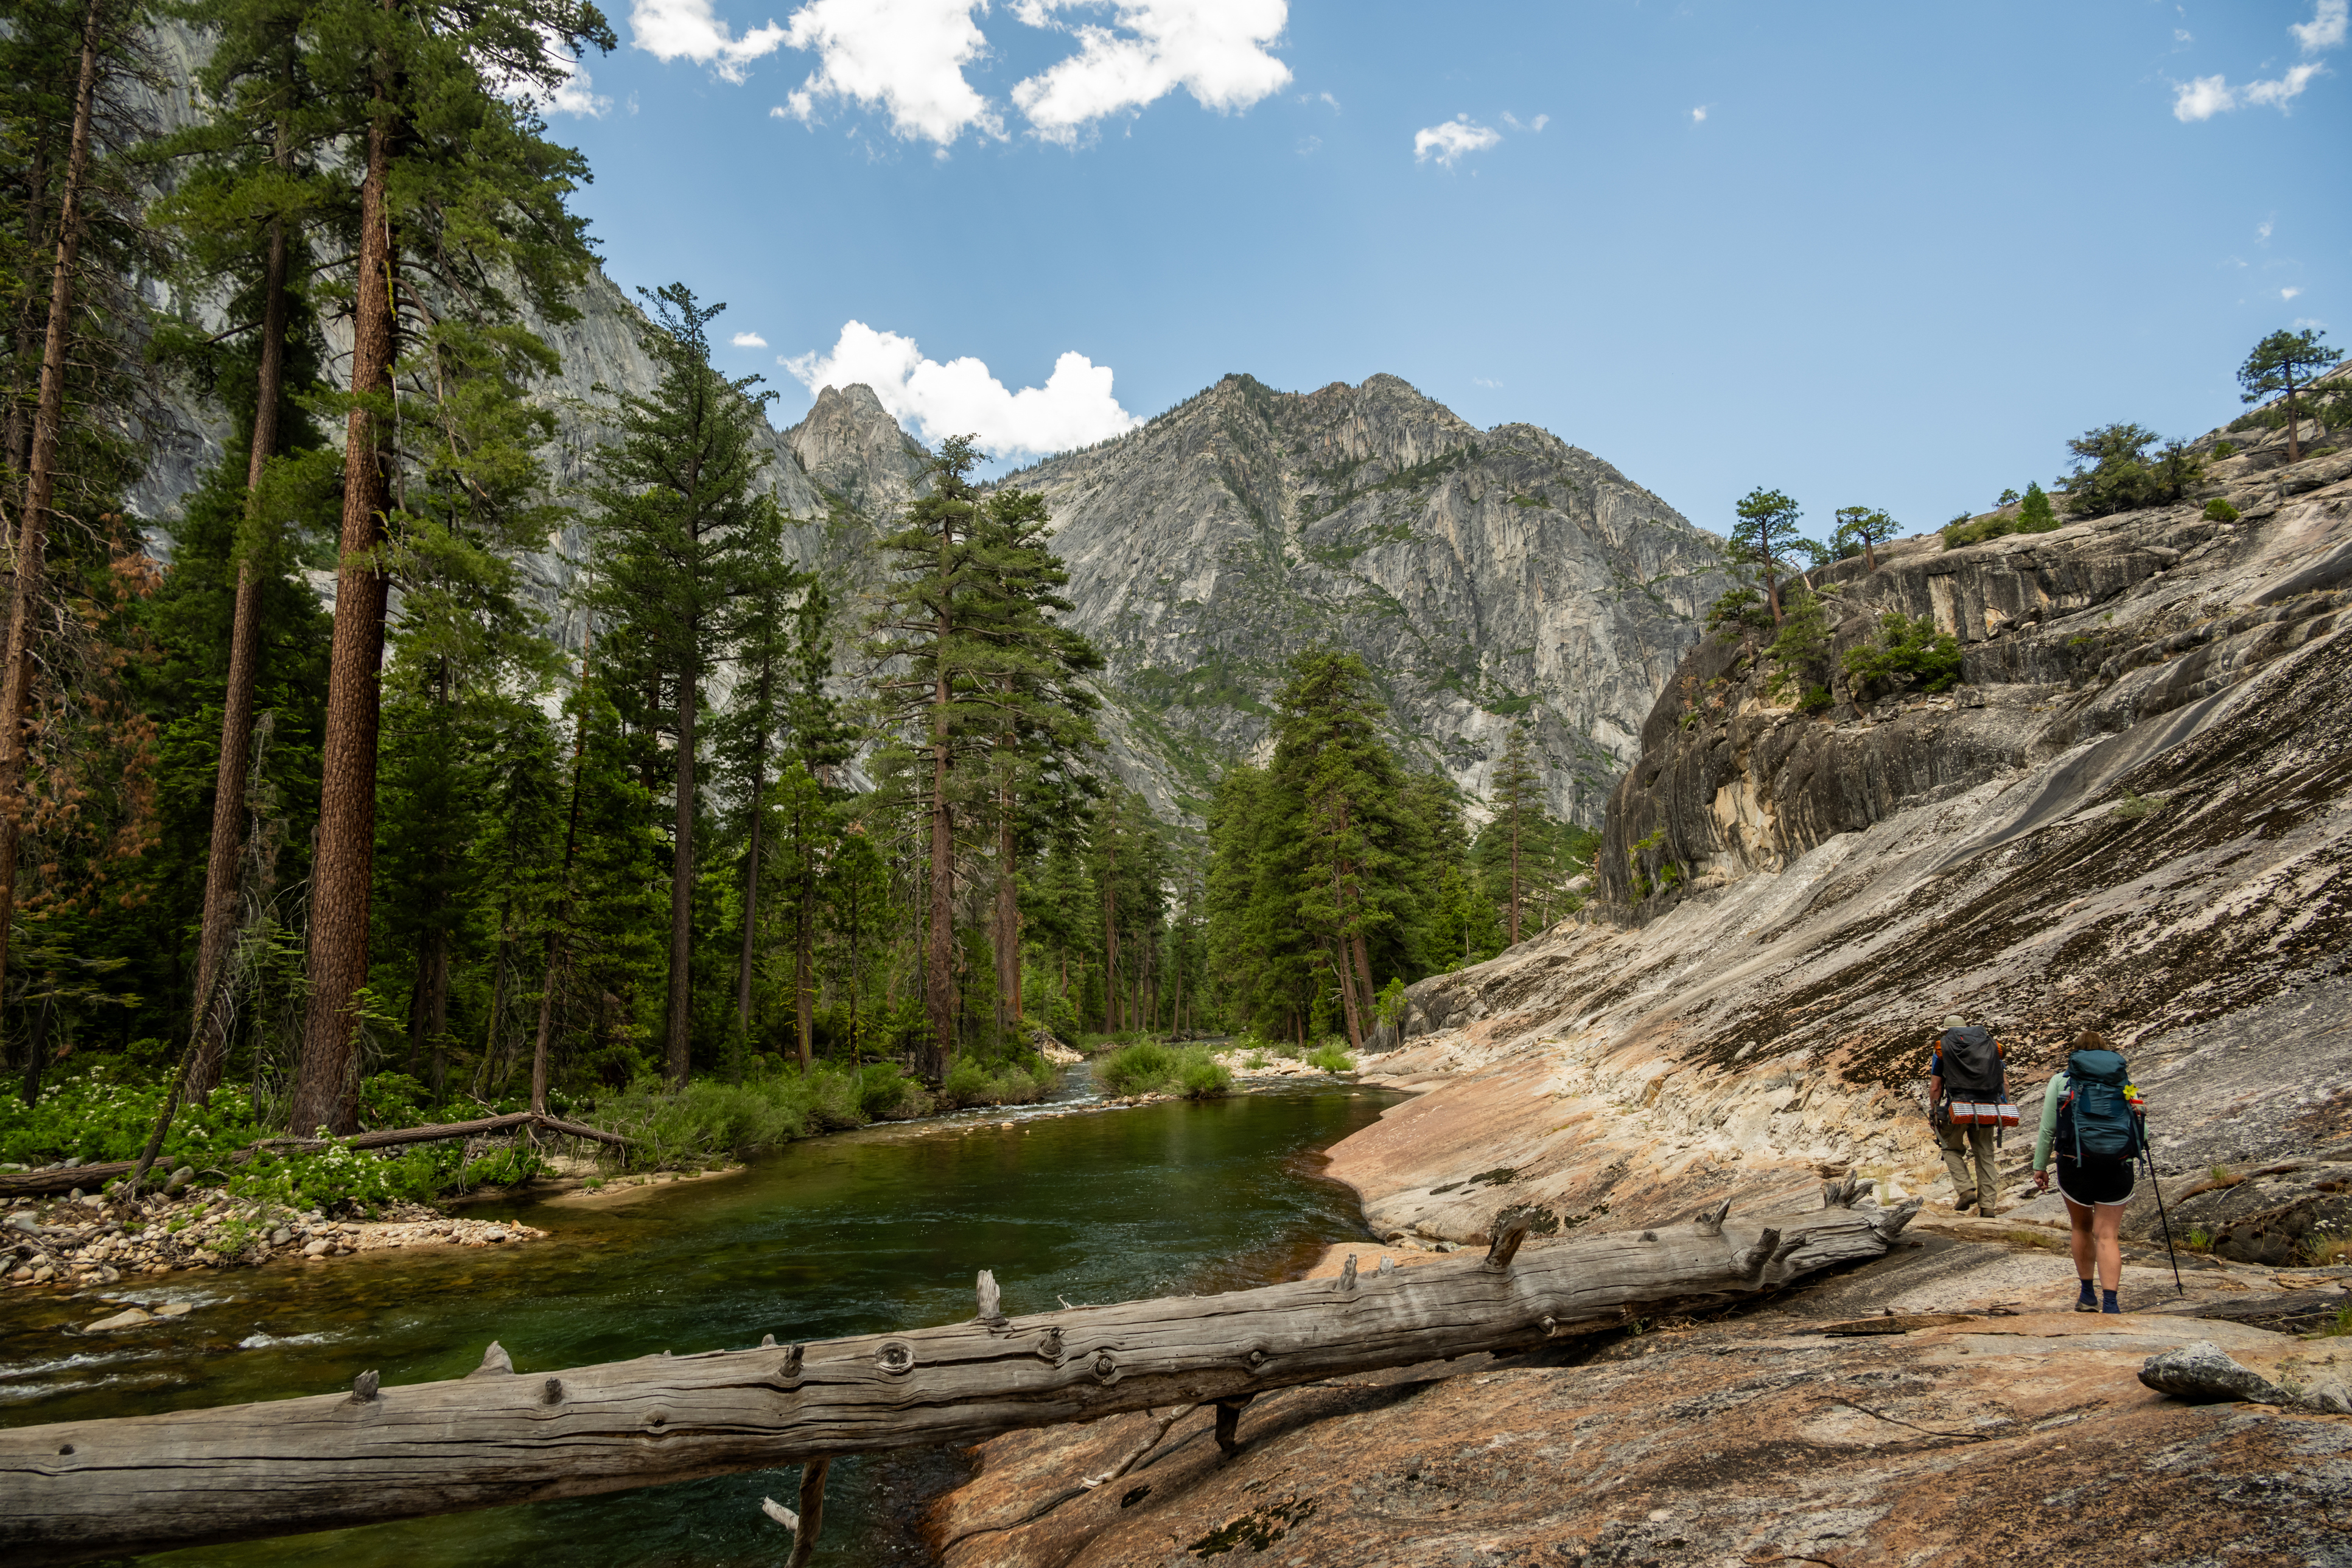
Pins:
x,y
76,1490
326,1084
36,1183
40,484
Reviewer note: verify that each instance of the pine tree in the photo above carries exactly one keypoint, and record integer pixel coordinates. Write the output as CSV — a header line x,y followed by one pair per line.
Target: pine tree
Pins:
x,y
982,673
461,203
680,533
1763,537
1862,526
1519,803
2285,363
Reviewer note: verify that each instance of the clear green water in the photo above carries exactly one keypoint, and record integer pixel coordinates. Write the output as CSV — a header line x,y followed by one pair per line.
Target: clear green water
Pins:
x,y
853,1233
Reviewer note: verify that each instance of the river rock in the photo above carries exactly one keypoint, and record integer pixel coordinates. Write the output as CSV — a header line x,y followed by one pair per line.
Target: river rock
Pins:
x,y
319,1248
2203,1373
128,1318
175,1309
496,1233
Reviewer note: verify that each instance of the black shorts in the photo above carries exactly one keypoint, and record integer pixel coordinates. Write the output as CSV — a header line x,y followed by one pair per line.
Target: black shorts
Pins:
x,y
2107,1182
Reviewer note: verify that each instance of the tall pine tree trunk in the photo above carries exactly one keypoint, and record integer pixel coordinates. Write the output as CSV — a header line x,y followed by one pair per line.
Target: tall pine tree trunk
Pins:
x,y
939,974
19,430
556,948
1008,921
679,1027
1110,940
804,953
326,1083
40,487
237,701
1515,874
751,856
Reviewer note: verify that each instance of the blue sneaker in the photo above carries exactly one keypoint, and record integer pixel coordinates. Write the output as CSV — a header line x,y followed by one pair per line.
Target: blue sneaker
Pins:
x,y
2107,1302
2088,1301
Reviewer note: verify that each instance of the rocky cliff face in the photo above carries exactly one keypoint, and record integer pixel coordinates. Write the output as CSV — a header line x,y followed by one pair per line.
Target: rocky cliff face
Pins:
x,y
2131,816
1485,576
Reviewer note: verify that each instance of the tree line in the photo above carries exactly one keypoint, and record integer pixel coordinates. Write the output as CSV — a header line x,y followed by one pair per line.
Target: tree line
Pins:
x,y
275,838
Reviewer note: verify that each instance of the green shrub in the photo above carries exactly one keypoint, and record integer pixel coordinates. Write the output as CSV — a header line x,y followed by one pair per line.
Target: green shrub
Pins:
x,y
1330,1058
94,1116
2034,513
2113,471
884,1093
1905,650
2219,510
1020,1082
1149,1067
2224,451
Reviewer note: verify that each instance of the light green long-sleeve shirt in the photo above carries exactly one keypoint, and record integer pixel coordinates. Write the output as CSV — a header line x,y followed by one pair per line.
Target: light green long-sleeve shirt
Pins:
x,y
2048,1132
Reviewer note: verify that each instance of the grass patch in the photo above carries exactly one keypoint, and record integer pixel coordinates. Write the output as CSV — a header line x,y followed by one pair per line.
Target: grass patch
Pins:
x,y
1023,1082
1150,1067
1330,1058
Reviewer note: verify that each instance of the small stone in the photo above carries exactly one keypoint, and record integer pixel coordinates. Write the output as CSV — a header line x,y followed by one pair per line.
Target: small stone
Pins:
x,y
175,1309
2203,1373
318,1248
280,1236
129,1318
496,1233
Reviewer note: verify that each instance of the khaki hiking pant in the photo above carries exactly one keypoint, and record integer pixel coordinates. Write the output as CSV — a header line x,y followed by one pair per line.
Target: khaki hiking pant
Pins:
x,y
1958,1144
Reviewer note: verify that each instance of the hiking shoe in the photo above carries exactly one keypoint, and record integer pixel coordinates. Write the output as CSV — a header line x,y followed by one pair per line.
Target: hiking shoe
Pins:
x,y
2088,1301
2107,1302
1964,1203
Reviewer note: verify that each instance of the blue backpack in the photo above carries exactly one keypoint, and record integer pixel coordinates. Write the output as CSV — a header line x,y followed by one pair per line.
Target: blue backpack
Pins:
x,y
2097,1123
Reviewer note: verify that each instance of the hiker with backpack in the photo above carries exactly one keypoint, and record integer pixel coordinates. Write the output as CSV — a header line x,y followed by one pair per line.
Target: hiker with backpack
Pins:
x,y
2092,1121
1968,1105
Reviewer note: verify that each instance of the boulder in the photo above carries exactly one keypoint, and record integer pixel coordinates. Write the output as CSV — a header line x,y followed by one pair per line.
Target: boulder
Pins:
x,y
128,1318
2203,1373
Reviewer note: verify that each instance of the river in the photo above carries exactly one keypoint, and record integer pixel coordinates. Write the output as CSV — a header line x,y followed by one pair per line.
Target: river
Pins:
x,y
858,1233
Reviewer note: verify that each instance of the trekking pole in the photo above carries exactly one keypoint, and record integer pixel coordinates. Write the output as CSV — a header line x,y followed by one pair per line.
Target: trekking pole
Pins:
x,y
2178,1286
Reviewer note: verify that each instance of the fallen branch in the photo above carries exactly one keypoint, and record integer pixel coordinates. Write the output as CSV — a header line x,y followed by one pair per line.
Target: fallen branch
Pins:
x,y
38,1184
81,1490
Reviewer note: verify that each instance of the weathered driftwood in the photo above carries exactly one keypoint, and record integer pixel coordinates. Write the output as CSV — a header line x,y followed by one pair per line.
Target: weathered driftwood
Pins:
x,y
88,1489
90,1178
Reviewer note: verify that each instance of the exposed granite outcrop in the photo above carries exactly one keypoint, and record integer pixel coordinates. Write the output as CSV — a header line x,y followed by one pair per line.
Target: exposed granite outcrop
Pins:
x,y
2151,836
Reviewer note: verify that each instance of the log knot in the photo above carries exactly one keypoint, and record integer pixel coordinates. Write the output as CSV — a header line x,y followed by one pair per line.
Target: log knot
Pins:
x,y
895,1356
1709,1221
364,1386
1505,1244
1050,1347
1752,1262
1106,1368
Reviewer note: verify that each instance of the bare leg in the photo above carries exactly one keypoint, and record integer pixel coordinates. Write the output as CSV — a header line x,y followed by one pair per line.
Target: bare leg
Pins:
x,y
2078,1238
2106,1234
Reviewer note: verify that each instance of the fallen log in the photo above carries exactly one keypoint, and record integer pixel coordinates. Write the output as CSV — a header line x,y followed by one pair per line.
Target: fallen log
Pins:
x,y
81,1490
40,1183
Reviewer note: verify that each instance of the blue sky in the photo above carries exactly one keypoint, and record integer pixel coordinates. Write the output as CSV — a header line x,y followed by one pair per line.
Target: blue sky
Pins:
x,y
1886,255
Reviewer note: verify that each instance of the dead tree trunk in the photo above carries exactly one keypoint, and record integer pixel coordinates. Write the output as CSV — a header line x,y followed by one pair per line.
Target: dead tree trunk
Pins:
x,y
81,1490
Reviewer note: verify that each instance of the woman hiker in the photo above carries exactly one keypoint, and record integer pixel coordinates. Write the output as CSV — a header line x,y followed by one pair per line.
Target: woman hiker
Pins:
x,y
2091,1119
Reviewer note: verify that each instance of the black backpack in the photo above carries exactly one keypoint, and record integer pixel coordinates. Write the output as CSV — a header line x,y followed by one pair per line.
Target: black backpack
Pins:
x,y
1971,1064
2097,1124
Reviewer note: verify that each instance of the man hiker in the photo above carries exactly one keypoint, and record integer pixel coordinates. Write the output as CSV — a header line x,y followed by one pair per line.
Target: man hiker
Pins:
x,y
1965,1064
2092,1117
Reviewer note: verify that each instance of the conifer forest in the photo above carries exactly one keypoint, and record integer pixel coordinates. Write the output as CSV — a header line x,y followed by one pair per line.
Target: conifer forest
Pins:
x,y
314,818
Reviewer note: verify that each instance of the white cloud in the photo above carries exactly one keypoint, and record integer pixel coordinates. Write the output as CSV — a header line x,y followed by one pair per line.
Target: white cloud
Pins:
x,y
905,55
1216,49
2262,231
2210,95
1482,381
749,340
1452,139
2276,94
1537,123
686,30
1698,115
2325,30
2289,293
2201,99
2311,323
2180,35
1074,408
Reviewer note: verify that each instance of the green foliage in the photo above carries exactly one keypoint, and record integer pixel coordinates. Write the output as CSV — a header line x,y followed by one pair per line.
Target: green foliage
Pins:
x,y
2113,471
1799,653
2225,450
2219,510
107,1114
711,1122
1389,1007
2283,363
1905,650
1861,530
1738,611
1330,1056
2034,513
1149,1067
1019,1082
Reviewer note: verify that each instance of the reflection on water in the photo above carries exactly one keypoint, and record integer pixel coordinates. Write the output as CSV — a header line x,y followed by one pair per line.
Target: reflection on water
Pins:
x,y
854,1234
